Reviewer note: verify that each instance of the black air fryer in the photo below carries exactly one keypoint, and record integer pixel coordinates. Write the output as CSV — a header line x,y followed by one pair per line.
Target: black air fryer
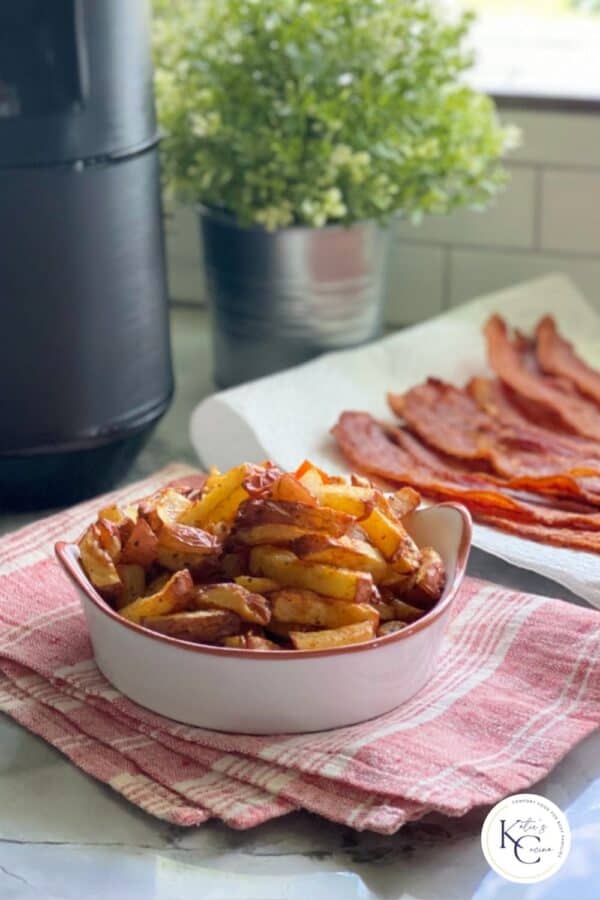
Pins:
x,y
85,369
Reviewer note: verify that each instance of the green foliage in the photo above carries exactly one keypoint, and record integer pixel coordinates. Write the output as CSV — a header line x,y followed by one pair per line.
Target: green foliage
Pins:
x,y
592,6
315,111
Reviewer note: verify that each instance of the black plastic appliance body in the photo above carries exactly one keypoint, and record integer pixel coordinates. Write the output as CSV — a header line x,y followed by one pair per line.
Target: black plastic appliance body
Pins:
x,y
85,366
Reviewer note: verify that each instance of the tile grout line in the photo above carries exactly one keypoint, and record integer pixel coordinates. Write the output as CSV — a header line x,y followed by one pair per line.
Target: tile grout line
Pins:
x,y
538,189
545,253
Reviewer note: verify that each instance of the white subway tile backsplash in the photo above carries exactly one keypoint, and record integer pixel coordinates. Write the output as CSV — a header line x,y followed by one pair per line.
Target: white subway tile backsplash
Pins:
x,y
479,272
186,281
547,220
415,283
556,138
508,222
570,211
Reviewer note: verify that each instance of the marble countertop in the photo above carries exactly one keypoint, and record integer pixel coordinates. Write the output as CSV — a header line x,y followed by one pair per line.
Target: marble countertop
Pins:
x,y
63,836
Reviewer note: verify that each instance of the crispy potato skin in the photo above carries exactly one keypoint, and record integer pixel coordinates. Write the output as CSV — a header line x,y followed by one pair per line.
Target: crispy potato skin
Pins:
x,y
173,597
289,488
405,612
403,502
286,512
202,626
260,559
430,581
188,540
250,641
248,606
141,547
98,564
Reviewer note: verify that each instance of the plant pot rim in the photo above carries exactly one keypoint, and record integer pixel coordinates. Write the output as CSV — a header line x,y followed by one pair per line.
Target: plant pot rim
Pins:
x,y
219,215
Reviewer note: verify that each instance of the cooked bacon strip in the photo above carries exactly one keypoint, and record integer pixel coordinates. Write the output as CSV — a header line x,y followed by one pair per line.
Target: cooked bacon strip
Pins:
x,y
556,356
368,446
571,412
460,472
448,419
493,397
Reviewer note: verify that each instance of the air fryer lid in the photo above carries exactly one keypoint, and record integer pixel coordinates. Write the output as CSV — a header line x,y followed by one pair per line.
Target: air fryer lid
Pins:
x,y
75,80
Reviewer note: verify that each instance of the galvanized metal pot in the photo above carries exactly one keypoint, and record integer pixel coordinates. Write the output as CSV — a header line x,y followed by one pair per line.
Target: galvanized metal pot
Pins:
x,y
279,298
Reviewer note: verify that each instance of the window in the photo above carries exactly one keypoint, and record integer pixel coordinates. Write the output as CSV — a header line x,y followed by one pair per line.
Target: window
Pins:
x,y
536,49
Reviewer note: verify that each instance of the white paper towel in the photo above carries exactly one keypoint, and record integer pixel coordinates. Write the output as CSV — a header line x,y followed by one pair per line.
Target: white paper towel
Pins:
x,y
287,417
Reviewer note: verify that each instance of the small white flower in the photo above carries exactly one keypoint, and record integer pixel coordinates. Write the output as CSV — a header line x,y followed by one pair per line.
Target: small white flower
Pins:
x,y
341,156
345,79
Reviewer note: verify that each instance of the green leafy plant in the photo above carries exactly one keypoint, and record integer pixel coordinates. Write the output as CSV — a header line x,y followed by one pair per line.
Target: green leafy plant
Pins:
x,y
287,112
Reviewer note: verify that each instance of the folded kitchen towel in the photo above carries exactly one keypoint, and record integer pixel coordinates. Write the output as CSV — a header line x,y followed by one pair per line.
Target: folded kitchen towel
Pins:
x,y
517,686
289,415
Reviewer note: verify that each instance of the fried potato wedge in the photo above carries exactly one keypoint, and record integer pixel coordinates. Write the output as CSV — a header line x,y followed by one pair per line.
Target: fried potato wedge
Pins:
x,y
113,513
250,641
392,540
201,565
352,499
217,491
405,612
307,608
175,596
308,473
403,502
188,540
226,511
124,518
133,580
163,507
234,564
182,546
261,479
283,629
345,552
385,610
268,534
257,585
157,583
285,567
201,626
398,582
289,488
97,563
334,637
141,547
285,512
110,538
171,506
248,606
430,581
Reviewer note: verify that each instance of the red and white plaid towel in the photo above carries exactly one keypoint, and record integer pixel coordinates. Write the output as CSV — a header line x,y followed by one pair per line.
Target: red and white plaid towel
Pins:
x,y
517,686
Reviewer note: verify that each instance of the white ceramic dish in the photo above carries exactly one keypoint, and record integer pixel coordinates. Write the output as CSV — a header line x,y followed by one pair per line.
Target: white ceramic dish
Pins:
x,y
268,692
